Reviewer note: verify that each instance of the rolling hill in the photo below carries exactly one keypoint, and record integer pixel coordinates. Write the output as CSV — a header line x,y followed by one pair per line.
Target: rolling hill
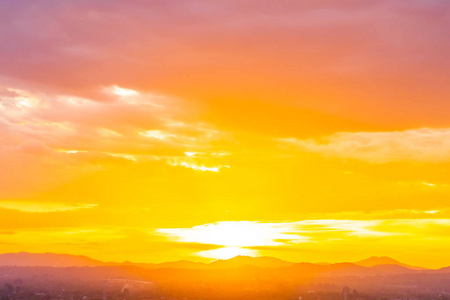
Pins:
x,y
372,265
23,259
384,260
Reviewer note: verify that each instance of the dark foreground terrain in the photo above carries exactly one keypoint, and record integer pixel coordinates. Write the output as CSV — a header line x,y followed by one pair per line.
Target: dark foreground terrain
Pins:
x,y
299,281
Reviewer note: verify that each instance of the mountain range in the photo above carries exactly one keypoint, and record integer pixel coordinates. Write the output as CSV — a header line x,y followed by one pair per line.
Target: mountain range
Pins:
x,y
377,264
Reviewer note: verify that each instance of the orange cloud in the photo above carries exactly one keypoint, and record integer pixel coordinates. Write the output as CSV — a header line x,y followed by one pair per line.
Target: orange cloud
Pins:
x,y
424,145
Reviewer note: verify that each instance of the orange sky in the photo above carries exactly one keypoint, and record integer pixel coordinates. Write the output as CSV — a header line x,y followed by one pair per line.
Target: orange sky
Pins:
x,y
305,130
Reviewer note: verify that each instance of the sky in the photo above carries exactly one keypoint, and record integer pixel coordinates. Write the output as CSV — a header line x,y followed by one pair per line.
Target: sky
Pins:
x,y
157,131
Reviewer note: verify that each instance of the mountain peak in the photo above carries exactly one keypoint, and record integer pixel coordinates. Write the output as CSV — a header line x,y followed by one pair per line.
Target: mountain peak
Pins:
x,y
260,261
383,260
377,260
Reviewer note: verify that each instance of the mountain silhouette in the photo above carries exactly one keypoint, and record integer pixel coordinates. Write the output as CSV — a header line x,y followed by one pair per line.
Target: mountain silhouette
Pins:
x,y
239,261
370,265
48,260
339,269
181,264
392,269
383,260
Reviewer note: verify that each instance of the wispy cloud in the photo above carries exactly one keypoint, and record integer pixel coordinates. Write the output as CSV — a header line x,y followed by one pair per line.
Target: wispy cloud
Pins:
x,y
197,162
38,207
46,133
424,145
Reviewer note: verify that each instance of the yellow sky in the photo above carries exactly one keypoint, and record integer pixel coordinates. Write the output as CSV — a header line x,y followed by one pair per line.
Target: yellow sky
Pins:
x,y
149,132
188,190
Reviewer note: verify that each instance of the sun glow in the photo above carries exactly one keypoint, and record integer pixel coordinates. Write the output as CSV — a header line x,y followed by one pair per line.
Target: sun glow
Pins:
x,y
246,237
231,234
235,236
227,253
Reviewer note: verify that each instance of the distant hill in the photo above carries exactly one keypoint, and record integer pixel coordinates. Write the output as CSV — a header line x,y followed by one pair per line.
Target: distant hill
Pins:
x,y
383,260
371,265
239,261
393,269
444,270
235,262
181,264
67,260
47,259
348,269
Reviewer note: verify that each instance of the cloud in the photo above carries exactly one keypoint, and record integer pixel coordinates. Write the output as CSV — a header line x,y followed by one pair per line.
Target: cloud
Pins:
x,y
198,162
8,232
27,206
31,167
48,139
130,121
422,145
